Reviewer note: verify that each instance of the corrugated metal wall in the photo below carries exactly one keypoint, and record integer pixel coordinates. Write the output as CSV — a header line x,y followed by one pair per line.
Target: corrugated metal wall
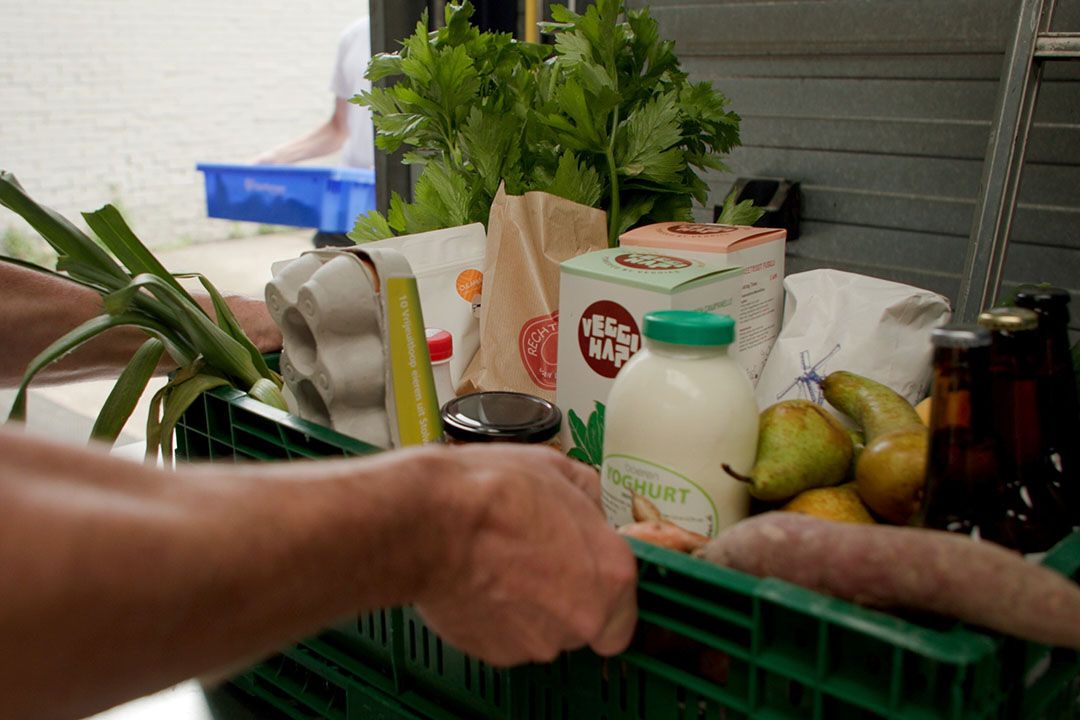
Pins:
x,y
882,110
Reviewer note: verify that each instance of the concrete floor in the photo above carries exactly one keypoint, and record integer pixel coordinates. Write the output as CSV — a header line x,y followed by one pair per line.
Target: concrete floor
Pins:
x,y
67,412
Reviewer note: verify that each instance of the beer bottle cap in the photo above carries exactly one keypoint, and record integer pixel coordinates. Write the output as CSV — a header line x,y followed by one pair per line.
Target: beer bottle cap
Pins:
x,y
1044,300
960,336
1009,319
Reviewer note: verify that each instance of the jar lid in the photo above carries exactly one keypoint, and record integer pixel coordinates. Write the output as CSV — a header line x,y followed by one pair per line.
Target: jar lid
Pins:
x,y
689,327
1009,319
440,344
505,416
960,336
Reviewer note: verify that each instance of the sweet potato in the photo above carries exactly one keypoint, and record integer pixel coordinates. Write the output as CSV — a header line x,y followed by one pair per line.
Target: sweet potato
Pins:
x,y
664,534
892,567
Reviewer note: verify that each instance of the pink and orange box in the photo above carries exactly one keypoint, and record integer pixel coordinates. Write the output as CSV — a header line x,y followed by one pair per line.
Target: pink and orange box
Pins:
x,y
760,254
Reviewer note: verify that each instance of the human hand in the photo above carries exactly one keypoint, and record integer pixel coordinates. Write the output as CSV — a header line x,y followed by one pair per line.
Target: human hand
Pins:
x,y
535,570
267,157
256,322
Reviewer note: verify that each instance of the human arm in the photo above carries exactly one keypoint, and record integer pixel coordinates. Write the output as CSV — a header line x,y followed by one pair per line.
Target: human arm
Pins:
x,y
126,579
38,308
323,140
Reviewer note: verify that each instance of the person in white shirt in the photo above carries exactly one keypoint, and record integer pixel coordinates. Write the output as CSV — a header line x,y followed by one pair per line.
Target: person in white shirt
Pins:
x,y
348,128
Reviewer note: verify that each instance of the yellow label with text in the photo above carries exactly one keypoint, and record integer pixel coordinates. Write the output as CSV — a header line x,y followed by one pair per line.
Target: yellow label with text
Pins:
x,y
413,384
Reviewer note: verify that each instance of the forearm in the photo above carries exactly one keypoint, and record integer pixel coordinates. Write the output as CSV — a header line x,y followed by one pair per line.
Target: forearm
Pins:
x,y
325,140
213,565
38,309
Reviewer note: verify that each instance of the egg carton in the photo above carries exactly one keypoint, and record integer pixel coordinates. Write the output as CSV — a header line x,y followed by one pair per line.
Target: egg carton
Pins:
x,y
354,354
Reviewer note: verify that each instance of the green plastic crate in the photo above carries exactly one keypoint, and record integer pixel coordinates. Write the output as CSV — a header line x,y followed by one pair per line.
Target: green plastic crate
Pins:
x,y
714,643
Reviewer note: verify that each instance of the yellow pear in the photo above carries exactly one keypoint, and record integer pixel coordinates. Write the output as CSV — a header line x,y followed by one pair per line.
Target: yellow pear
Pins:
x,y
923,408
840,503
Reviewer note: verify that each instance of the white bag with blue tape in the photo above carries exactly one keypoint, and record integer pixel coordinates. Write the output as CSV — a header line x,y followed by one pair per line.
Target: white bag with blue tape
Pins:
x,y
836,320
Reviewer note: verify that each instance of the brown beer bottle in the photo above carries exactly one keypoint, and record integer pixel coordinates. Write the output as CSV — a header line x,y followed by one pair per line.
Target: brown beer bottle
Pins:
x,y
962,464
1059,409
1032,515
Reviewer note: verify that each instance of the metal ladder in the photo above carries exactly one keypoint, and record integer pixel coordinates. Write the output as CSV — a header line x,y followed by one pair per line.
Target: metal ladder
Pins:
x,y
1032,46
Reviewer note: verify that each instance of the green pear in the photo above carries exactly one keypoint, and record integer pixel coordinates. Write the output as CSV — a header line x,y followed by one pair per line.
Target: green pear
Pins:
x,y
876,408
858,444
800,446
891,474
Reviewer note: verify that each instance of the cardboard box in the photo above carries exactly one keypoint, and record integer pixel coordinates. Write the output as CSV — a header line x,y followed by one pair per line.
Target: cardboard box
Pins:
x,y
603,299
760,252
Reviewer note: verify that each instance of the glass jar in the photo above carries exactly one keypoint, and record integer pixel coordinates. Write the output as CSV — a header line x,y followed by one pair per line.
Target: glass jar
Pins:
x,y
501,416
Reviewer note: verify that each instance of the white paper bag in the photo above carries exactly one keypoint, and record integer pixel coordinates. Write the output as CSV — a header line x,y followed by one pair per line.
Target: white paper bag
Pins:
x,y
836,320
448,266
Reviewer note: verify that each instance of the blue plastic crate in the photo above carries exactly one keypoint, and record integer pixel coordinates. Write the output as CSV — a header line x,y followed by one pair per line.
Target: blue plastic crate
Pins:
x,y
327,198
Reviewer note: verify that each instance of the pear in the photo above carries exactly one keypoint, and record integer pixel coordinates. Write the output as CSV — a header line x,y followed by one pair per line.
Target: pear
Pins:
x,y
840,503
924,409
891,474
800,446
858,443
876,408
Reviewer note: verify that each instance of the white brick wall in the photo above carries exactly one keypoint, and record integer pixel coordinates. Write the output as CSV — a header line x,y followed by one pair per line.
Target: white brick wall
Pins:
x,y
116,100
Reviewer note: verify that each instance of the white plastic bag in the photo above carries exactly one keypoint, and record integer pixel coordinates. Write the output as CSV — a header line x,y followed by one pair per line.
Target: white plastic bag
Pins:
x,y
836,320
448,267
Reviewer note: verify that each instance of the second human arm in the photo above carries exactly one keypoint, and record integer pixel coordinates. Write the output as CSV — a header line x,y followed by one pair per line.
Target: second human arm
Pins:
x,y
39,308
327,138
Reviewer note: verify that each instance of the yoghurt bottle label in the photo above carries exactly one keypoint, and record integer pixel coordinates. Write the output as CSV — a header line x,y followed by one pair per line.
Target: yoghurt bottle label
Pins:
x,y
679,499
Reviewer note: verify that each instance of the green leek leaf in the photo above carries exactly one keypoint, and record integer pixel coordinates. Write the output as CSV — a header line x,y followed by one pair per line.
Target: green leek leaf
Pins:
x,y
178,400
268,392
228,322
218,347
65,345
65,238
113,230
153,425
126,392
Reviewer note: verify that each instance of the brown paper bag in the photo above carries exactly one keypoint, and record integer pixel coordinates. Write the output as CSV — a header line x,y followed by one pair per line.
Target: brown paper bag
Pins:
x,y
528,237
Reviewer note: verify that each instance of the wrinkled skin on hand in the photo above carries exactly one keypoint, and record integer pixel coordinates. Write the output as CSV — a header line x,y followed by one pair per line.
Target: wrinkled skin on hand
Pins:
x,y
540,571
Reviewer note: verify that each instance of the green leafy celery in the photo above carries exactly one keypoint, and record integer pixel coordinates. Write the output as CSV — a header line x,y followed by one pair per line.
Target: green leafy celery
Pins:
x,y
609,120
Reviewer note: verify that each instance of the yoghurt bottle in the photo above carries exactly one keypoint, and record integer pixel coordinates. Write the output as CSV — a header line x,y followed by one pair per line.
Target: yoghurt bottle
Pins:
x,y
678,411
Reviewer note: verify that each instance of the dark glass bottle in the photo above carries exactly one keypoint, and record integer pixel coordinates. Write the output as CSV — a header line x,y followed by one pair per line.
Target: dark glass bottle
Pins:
x,y
961,468
1033,515
1059,408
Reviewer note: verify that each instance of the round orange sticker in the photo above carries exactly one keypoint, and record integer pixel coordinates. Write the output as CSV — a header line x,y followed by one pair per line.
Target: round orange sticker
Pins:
x,y
470,283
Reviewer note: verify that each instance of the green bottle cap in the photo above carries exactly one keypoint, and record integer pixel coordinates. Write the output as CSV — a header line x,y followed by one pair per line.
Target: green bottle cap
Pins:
x,y
689,327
